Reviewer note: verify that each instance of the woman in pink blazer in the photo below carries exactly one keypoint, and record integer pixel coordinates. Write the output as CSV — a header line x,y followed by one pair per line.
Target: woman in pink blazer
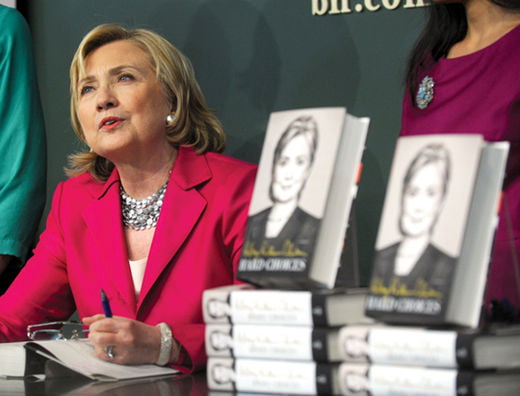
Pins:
x,y
151,214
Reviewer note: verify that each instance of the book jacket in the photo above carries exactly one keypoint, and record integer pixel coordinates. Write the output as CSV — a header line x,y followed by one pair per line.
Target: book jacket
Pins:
x,y
296,179
423,225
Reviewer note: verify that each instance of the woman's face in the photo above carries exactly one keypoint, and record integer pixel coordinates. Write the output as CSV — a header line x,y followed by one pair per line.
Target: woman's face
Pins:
x,y
356,347
422,200
122,106
220,340
223,374
217,308
291,170
356,382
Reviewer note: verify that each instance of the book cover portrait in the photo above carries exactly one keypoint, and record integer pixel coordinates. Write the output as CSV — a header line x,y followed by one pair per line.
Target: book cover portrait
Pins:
x,y
423,223
291,188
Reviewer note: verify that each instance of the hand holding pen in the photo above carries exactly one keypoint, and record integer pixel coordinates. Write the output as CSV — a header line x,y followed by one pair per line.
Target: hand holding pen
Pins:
x,y
106,304
119,339
109,350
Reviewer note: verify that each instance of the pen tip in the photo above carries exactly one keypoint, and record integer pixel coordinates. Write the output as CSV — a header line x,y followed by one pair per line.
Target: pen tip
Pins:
x,y
103,295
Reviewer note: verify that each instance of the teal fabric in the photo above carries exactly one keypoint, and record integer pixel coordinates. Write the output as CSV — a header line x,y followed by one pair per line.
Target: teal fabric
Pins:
x,y
22,138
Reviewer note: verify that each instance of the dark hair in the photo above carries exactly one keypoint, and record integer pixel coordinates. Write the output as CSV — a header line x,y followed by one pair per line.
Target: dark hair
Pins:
x,y
303,125
446,25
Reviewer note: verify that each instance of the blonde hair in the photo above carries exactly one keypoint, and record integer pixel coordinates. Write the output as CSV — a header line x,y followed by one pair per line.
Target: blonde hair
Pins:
x,y
194,124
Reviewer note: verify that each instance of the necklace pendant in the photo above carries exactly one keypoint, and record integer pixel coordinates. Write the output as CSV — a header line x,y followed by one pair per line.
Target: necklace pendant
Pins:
x,y
425,93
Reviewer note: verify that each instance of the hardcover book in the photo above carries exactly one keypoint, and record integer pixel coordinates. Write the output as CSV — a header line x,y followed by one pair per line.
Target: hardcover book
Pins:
x,y
311,378
306,182
416,346
273,342
318,308
436,231
272,376
380,379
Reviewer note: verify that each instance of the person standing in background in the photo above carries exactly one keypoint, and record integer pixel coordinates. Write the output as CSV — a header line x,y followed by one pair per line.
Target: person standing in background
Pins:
x,y
22,146
462,77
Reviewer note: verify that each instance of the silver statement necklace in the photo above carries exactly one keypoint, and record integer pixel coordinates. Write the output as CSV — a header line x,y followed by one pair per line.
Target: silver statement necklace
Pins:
x,y
143,213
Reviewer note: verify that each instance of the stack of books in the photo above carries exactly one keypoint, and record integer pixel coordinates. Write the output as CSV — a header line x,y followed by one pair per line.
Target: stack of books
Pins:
x,y
299,261
277,341
429,275
416,330
410,360
298,342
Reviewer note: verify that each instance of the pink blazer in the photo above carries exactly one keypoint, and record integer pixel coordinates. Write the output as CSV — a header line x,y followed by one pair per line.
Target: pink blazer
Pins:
x,y
196,246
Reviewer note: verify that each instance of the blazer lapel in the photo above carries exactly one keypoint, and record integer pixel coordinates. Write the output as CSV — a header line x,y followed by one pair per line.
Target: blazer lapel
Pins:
x,y
183,205
103,219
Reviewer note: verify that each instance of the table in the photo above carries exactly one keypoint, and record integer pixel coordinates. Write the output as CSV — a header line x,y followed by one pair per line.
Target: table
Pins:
x,y
194,384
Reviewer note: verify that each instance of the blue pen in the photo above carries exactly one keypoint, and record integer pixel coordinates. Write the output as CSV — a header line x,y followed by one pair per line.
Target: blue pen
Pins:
x,y
106,304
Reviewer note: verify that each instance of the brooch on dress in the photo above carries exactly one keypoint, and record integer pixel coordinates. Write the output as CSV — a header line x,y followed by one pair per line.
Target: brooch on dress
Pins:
x,y
425,93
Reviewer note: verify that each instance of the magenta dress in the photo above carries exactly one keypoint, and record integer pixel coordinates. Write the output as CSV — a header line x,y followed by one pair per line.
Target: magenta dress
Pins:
x,y
480,93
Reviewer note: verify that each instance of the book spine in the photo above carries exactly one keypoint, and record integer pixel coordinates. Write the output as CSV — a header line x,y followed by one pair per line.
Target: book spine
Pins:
x,y
269,342
326,379
272,307
319,310
465,383
376,379
323,343
271,376
400,345
464,350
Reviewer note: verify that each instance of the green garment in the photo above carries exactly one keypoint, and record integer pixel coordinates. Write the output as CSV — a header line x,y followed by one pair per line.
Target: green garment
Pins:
x,y
22,139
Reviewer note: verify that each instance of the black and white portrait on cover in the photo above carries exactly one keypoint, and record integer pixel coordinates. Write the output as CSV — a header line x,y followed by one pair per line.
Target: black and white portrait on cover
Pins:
x,y
355,343
415,263
222,375
220,340
354,379
218,309
285,221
